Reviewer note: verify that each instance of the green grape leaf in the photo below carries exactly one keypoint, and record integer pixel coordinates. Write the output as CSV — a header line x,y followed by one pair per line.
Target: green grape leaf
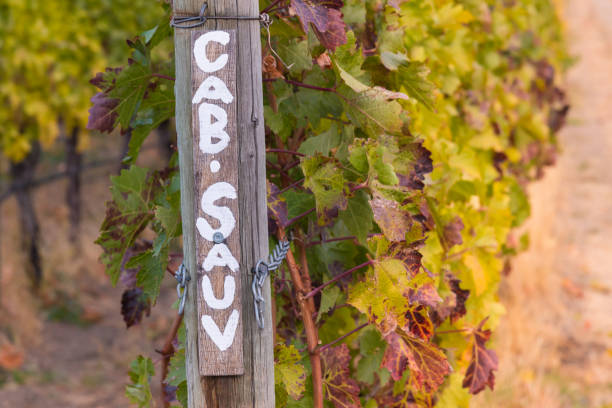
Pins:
x,y
139,391
288,370
358,216
328,185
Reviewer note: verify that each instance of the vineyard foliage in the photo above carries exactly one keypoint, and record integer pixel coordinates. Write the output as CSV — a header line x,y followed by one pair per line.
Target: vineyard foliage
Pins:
x,y
400,139
48,51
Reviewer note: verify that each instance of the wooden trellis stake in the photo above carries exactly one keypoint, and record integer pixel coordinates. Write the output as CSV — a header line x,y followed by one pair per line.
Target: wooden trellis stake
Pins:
x,y
219,121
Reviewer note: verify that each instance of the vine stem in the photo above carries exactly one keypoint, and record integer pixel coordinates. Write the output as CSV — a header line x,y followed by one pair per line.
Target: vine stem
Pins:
x,y
306,311
167,352
337,278
344,336
162,76
297,217
292,185
267,9
350,237
302,85
285,151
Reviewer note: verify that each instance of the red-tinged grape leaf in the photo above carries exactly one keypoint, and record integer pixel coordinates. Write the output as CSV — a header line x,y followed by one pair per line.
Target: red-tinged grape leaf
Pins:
x,y
277,208
133,305
326,18
480,371
461,296
339,387
426,295
410,258
421,166
392,220
389,399
428,364
102,114
418,323
453,305
452,232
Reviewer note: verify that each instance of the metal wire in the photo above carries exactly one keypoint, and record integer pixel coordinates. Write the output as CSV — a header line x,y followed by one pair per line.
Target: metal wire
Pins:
x,y
182,276
200,19
260,272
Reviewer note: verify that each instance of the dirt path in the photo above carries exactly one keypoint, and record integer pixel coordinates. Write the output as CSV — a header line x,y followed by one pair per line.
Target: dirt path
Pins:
x,y
555,344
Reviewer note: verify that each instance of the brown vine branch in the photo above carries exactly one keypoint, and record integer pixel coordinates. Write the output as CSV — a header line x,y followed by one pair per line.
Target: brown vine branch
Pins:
x,y
292,185
298,217
306,311
162,76
285,151
267,9
347,238
302,85
337,278
167,352
344,336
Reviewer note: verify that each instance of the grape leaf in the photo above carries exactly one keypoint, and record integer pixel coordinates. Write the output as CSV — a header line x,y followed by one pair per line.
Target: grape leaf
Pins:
x,y
139,391
393,222
102,114
358,216
288,370
339,387
480,371
328,185
134,303
452,232
277,208
326,18
428,364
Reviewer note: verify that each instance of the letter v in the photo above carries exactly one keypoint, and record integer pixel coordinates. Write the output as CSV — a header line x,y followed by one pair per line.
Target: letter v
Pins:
x,y
225,340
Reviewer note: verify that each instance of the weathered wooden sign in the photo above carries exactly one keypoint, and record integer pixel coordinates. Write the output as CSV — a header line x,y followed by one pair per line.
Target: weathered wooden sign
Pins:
x,y
215,154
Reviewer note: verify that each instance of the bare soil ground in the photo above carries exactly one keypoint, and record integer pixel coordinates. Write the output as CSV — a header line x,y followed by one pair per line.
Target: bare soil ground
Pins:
x,y
555,345
75,345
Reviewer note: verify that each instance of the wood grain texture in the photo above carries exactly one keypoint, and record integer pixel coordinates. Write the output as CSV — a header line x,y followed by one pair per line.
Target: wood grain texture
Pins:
x,y
256,387
214,362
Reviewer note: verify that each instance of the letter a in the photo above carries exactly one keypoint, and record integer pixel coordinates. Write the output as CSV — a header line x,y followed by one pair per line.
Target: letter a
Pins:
x,y
225,340
213,88
199,50
220,255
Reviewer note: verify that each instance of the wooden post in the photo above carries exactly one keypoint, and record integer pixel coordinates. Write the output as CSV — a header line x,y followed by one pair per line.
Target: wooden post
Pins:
x,y
243,161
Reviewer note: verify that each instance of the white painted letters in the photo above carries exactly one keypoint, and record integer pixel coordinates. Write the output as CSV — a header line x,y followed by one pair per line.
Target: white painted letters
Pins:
x,y
199,50
215,154
210,128
223,214
225,340
220,255
229,289
213,88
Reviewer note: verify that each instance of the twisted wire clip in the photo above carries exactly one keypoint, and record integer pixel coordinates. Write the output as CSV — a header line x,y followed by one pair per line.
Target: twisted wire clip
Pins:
x,y
260,272
182,276
200,19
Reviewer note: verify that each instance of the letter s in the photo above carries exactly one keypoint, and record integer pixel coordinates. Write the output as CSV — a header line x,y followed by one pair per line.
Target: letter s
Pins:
x,y
213,193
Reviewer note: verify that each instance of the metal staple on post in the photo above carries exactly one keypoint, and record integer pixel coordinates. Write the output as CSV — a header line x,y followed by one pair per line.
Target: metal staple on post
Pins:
x,y
260,272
